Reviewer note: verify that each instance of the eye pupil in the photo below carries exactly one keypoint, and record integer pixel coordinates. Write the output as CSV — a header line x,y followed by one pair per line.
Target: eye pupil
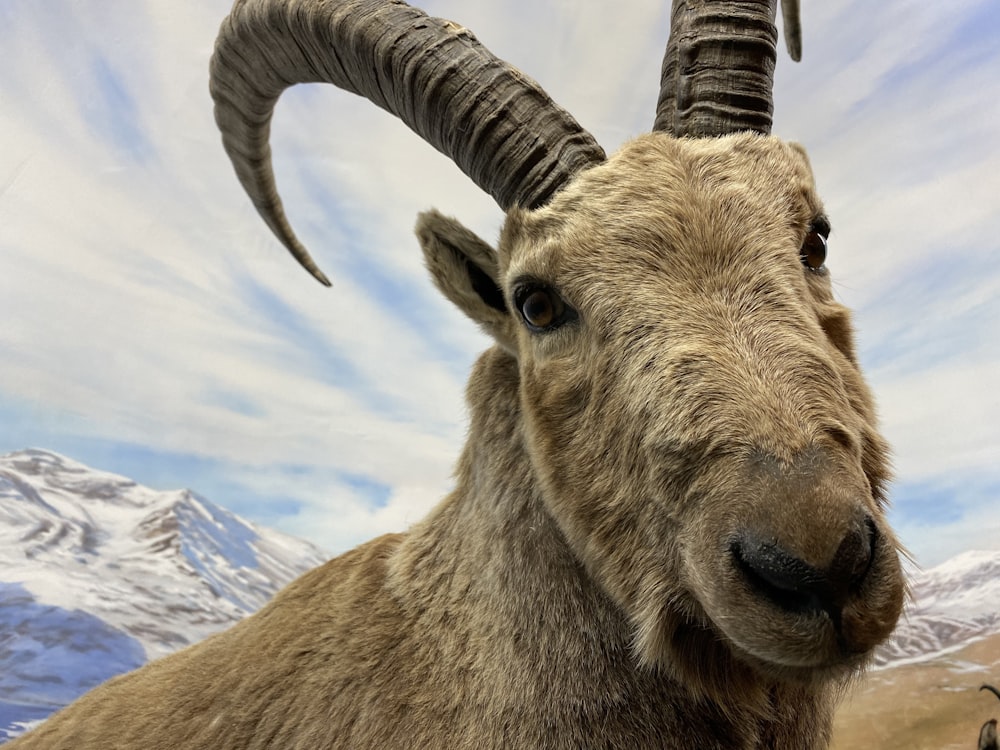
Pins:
x,y
539,309
813,251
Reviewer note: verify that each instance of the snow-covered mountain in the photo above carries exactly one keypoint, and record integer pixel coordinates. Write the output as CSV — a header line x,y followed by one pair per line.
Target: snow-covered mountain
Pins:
x,y
953,604
99,574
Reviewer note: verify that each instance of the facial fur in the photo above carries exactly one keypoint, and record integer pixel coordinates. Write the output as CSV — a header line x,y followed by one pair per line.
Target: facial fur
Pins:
x,y
707,390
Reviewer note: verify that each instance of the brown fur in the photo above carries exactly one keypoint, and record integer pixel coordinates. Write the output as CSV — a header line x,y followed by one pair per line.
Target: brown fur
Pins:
x,y
988,732
988,735
576,589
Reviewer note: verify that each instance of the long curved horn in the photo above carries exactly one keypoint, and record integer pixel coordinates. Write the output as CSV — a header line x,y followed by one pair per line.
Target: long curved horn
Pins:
x,y
718,70
991,689
497,124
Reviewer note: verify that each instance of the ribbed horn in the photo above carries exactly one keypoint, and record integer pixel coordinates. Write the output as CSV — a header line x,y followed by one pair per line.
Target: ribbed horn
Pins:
x,y
792,23
718,70
497,124
991,689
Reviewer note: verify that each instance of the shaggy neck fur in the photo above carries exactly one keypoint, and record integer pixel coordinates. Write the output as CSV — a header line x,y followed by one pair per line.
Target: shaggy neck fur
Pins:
x,y
530,627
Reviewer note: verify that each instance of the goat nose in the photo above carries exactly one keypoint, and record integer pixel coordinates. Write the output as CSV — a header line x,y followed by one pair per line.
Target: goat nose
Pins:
x,y
796,586
787,581
853,558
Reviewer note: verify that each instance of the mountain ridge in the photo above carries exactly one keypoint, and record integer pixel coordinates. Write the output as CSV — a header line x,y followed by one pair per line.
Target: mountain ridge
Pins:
x,y
99,574
952,605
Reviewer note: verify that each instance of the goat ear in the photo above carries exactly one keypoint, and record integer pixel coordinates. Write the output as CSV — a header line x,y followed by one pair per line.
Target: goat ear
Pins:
x,y
466,270
803,155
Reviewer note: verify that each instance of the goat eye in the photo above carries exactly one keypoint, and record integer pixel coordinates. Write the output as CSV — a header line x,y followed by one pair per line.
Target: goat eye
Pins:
x,y
541,308
813,252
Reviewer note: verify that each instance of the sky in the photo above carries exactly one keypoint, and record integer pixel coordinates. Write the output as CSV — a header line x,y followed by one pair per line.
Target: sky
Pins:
x,y
153,327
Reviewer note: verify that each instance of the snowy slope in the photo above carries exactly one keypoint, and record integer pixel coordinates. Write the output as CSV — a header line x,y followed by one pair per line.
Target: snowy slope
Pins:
x,y
99,574
953,604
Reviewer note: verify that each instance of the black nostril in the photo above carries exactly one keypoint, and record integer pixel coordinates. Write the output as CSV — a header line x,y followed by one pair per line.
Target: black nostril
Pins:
x,y
853,558
795,585
787,581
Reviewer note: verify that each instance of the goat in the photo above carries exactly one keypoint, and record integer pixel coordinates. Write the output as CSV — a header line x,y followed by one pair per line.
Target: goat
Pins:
x,y
988,732
988,735
668,524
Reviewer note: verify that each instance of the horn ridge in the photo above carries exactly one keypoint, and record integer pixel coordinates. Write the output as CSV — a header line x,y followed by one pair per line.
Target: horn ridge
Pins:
x,y
494,122
718,69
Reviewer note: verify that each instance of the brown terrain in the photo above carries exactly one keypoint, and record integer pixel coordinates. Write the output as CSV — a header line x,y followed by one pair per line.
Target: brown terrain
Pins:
x,y
933,705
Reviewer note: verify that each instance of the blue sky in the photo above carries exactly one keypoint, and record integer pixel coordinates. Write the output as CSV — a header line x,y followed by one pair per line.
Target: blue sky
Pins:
x,y
154,328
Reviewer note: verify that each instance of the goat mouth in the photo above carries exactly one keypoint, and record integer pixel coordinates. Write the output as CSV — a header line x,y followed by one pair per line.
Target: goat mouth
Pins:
x,y
704,656
813,606
803,649
800,615
793,639
800,648
831,670
792,616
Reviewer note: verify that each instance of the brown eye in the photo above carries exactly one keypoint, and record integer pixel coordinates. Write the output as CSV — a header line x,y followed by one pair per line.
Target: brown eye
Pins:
x,y
813,252
541,308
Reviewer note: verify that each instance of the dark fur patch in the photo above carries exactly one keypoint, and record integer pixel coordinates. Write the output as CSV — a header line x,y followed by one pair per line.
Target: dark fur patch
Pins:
x,y
484,286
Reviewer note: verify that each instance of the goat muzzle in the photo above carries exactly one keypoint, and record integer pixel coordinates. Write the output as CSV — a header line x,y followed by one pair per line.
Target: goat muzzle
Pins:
x,y
797,587
809,574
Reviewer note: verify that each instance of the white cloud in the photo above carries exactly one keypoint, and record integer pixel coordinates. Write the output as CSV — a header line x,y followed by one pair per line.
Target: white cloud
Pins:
x,y
126,323
128,247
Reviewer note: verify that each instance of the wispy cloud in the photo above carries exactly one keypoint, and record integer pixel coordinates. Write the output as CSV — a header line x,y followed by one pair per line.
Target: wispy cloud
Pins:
x,y
155,328
112,113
